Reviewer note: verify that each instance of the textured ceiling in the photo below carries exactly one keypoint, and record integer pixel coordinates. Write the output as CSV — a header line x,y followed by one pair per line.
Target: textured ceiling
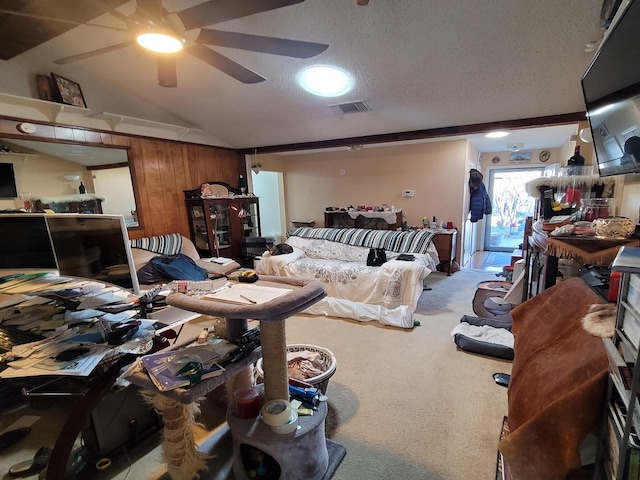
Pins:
x,y
418,64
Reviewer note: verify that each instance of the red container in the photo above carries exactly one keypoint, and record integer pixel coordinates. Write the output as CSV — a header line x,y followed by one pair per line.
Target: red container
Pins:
x,y
573,195
614,286
247,403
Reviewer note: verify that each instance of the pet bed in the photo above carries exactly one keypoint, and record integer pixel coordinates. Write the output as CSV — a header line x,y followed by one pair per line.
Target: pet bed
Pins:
x,y
485,336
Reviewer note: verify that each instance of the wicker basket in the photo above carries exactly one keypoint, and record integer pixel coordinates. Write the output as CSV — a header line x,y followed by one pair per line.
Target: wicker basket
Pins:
x,y
327,359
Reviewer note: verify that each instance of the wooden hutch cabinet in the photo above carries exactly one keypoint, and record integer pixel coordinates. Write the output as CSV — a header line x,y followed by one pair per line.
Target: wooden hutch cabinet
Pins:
x,y
219,224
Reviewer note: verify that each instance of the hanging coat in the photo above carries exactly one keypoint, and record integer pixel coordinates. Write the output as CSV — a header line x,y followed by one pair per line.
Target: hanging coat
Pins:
x,y
480,203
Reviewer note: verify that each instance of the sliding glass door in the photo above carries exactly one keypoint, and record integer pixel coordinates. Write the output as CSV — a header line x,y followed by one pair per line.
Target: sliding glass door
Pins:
x,y
511,206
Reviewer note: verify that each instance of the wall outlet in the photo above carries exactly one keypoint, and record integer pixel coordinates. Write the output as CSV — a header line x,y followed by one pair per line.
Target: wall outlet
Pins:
x,y
343,172
408,193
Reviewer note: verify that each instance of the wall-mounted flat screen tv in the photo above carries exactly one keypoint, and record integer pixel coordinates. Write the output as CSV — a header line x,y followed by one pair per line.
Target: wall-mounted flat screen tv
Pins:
x,y
7,181
611,88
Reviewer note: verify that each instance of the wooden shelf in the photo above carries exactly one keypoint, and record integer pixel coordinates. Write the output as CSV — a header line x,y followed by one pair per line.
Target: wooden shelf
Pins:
x,y
50,110
43,110
24,156
117,121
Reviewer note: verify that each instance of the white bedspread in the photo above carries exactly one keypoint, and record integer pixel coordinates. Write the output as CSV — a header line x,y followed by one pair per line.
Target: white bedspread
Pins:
x,y
388,293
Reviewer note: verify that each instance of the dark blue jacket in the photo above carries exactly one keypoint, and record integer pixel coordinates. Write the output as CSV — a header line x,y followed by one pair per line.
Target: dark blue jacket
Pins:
x,y
480,203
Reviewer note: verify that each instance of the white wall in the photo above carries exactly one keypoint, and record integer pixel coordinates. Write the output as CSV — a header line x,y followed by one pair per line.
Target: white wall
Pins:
x,y
114,184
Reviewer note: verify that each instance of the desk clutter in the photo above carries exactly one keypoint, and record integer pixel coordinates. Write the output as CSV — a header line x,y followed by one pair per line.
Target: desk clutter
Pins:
x,y
67,326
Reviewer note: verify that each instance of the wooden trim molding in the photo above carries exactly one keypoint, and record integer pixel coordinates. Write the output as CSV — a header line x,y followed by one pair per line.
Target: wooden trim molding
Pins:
x,y
423,134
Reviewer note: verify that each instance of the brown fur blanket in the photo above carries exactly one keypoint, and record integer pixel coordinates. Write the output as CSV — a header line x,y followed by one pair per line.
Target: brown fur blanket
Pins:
x,y
558,383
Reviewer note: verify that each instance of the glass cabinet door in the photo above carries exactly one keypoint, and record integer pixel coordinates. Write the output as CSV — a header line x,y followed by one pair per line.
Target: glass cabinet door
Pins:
x,y
221,228
199,226
250,220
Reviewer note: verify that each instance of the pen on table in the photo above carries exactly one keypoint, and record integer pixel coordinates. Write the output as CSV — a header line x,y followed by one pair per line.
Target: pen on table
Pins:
x,y
248,299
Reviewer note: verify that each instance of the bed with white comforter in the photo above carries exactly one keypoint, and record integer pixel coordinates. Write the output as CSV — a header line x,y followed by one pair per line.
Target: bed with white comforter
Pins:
x,y
337,258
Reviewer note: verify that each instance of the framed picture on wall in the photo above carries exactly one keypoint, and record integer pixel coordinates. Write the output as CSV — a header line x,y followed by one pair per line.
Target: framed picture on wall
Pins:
x,y
520,157
69,91
45,88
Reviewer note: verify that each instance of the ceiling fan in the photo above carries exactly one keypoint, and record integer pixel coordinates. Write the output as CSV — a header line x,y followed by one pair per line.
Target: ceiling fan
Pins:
x,y
185,29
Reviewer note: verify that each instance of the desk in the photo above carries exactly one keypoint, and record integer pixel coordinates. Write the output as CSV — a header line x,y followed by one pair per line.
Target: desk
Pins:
x,y
95,380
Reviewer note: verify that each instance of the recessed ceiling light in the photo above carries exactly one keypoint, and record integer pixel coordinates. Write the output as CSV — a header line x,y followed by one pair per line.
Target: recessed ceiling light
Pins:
x,y
497,134
325,81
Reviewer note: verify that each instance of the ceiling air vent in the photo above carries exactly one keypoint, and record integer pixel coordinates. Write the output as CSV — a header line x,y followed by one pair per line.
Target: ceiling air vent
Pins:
x,y
353,107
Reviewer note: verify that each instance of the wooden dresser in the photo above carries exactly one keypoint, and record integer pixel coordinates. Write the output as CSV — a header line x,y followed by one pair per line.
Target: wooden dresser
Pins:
x,y
445,242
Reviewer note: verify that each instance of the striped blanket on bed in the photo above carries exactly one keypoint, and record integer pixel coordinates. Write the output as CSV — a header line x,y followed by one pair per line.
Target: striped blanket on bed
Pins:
x,y
412,241
168,244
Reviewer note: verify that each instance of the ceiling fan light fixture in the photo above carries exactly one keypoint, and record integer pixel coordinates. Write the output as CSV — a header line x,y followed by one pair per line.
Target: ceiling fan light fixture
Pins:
x,y
515,147
325,81
160,42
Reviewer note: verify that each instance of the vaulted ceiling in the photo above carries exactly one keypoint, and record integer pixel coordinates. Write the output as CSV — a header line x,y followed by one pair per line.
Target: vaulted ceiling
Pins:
x,y
417,64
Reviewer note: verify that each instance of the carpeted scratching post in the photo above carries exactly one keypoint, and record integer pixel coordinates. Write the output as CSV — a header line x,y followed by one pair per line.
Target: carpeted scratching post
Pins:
x,y
178,443
274,360
305,453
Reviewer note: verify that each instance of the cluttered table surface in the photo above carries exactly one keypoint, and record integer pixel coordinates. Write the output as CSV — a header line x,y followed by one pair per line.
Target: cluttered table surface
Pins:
x,y
94,334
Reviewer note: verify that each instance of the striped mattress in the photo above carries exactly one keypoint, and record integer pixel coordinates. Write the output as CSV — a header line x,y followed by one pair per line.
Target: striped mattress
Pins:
x,y
411,241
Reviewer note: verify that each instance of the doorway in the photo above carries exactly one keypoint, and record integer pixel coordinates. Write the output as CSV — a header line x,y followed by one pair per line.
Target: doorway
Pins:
x,y
510,207
267,186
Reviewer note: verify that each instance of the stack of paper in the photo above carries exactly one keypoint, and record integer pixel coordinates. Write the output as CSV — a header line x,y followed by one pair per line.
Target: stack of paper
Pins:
x,y
247,294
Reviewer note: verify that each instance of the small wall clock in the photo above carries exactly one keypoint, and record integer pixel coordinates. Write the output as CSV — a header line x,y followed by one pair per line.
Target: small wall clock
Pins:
x,y
544,155
495,159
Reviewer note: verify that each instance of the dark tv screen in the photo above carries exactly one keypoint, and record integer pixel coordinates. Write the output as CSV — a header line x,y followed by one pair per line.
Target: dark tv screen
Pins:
x,y
25,243
611,88
7,181
93,246
90,246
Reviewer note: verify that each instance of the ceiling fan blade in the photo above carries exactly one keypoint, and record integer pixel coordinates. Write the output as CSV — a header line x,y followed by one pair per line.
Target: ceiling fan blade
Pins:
x,y
216,11
93,53
258,43
151,8
110,10
225,64
57,19
167,74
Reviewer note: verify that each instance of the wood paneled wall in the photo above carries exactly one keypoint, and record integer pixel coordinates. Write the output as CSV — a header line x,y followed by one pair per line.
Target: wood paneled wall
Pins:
x,y
160,169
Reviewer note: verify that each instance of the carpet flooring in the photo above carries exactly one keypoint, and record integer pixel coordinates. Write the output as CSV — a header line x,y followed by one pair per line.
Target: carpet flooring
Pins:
x,y
406,404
